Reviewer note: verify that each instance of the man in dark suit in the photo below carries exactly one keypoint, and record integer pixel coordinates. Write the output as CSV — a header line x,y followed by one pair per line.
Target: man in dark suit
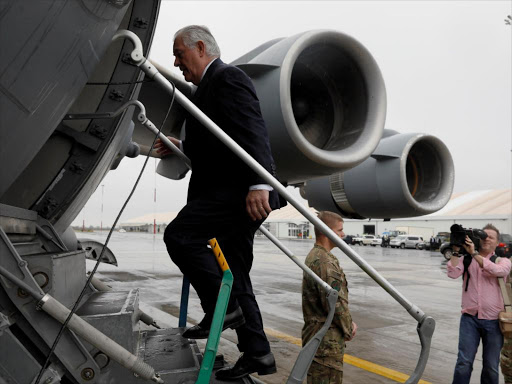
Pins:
x,y
226,199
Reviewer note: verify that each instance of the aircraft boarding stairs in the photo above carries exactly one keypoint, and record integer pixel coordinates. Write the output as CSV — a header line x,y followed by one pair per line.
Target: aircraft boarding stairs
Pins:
x,y
30,247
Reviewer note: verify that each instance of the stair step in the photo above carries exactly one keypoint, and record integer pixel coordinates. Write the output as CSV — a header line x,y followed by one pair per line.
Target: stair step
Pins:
x,y
176,359
115,313
166,350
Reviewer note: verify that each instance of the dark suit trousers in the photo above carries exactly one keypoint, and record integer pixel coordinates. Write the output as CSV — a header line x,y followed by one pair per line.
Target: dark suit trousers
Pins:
x,y
186,239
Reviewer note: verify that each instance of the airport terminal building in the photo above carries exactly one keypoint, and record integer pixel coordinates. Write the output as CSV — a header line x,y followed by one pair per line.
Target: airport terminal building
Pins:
x,y
470,209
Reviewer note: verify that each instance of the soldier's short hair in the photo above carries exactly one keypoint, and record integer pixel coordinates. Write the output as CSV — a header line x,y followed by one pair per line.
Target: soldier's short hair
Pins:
x,y
329,218
493,228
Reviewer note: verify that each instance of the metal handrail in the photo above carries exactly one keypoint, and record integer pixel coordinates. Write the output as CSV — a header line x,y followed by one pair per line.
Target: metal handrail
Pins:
x,y
426,324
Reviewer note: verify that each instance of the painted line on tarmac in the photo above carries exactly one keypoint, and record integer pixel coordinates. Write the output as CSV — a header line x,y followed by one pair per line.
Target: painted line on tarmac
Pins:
x,y
399,377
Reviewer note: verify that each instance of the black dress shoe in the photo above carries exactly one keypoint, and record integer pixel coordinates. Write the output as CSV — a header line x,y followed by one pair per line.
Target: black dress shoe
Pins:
x,y
263,365
232,320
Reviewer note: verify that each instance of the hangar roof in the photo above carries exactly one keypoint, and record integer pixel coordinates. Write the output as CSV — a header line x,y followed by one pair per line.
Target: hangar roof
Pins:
x,y
476,203
484,202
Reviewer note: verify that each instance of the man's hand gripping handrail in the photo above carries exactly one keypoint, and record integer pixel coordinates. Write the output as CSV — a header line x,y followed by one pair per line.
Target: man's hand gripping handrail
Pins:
x,y
426,324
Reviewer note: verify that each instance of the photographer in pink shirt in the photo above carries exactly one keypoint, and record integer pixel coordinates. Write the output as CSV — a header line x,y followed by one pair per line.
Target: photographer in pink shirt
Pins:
x,y
482,301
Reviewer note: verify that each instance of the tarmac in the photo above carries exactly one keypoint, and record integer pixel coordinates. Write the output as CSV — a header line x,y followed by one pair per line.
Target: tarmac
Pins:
x,y
386,348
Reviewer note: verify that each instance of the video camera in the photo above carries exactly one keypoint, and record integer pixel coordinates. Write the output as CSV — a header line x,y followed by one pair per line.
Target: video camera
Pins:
x,y
458,237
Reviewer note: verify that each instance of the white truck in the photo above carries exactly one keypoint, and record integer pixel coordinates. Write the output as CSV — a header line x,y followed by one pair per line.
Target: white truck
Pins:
x,y
424,232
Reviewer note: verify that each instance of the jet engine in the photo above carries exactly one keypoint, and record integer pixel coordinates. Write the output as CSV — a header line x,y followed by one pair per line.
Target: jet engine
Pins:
x,y
324,101
322,96
407,175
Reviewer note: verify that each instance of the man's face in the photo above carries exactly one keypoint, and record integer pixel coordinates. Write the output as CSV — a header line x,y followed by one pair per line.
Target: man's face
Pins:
x,y
189,60
338,229
490,243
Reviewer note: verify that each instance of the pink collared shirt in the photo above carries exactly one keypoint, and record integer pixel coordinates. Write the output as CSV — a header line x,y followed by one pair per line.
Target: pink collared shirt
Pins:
x,y
483,296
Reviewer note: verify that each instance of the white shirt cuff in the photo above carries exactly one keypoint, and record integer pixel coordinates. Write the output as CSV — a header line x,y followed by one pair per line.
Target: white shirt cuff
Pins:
x,y
265,187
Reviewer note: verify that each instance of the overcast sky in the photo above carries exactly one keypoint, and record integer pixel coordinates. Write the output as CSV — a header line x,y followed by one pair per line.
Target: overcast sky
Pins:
x,y
446,65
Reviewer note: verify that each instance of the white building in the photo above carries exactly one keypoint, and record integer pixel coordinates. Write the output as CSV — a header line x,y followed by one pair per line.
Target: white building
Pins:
x,y
470,209
288,223
152,222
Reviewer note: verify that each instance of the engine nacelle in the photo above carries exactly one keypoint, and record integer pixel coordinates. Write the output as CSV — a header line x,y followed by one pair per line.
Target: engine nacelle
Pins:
x,y
407,175
324,101
322,97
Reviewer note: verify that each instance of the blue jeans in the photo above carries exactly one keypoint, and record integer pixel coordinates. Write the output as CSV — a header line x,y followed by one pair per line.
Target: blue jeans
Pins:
x,y
470,331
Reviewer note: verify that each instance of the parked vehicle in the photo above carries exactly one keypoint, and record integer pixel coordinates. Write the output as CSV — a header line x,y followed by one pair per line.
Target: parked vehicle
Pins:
x,y
396,242
406,241
504,248
390,235
424,232
393,234
446,249
376,241
357,240
368,239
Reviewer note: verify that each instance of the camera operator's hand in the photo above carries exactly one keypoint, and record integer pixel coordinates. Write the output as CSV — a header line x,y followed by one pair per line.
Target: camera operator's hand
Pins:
x,y
469,246
454,260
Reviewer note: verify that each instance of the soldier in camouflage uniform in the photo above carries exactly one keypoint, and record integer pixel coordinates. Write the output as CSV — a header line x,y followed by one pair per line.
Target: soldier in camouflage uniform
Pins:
x,y
506,360
327,365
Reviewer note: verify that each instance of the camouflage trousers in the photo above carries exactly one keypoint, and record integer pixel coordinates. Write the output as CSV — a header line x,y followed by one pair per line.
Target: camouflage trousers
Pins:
x,y
506,360
324,374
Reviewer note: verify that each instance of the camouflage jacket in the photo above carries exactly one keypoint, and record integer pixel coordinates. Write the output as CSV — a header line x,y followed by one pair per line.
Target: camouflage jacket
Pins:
x,y
315,306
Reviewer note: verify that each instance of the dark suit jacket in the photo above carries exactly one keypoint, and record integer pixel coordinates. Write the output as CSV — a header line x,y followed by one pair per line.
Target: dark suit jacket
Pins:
x,y
226,95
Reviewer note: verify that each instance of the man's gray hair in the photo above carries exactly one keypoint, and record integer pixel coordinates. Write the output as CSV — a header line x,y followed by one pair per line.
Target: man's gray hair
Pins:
x,y
193,33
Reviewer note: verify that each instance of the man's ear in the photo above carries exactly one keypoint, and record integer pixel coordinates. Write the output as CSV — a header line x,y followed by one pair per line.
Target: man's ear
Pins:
x,y
201,47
